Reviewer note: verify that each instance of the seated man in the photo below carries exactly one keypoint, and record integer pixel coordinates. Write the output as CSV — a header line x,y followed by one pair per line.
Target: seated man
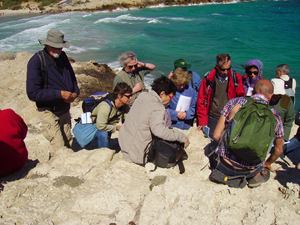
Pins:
x,y
133,73
147,119
13,151
292,150
182,118
105,117
232,165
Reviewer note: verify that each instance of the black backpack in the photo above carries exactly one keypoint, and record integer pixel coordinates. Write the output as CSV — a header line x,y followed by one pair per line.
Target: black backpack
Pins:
x,y
166,154
43,69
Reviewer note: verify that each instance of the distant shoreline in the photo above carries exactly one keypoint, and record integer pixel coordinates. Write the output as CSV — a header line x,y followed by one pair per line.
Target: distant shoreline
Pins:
x,y
102,5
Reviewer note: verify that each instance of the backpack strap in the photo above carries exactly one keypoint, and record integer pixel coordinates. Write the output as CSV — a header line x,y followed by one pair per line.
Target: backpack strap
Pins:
x,y
43,69
192,82
234,78
288,83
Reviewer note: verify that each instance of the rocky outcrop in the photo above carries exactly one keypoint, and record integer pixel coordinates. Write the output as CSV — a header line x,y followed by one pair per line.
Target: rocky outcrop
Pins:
x,y
93,77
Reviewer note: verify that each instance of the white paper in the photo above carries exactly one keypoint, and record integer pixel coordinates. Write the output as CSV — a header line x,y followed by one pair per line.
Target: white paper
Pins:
x,y
183,103
86,118
249,92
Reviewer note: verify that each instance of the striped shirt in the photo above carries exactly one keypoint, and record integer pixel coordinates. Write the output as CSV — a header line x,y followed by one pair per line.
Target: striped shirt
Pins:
x,y
222,149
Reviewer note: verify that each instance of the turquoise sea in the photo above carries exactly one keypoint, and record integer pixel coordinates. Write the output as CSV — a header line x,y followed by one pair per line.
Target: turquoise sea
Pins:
x,y
264,30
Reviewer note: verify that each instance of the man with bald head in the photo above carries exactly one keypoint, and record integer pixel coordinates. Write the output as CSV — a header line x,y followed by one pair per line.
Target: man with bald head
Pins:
x,y
231,165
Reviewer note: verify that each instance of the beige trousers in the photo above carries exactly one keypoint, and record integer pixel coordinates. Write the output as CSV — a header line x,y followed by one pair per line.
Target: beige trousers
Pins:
x,y
56,129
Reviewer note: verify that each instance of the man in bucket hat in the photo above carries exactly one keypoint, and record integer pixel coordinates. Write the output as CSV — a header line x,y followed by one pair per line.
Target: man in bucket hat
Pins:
x,y
52,84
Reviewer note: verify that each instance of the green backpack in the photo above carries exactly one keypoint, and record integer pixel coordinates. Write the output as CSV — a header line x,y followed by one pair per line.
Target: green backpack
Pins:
x,y
252,132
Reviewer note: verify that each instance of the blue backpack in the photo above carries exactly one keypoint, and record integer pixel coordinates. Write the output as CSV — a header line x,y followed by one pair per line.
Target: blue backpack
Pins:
x,y
91,102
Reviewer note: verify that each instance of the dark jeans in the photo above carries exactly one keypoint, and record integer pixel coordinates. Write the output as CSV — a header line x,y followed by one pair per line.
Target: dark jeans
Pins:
x,y
293,151
234,172
212,123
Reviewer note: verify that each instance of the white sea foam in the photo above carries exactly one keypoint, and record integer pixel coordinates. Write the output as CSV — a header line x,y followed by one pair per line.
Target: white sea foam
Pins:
x,y
114,66
121,19
154,21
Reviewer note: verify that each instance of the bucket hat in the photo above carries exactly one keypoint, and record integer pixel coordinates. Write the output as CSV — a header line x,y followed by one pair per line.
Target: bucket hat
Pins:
x,y
181,63
278,85
55,39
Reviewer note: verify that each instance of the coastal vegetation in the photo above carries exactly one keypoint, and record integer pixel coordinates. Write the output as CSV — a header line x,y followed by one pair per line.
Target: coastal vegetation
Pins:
x,y
17,4
23,4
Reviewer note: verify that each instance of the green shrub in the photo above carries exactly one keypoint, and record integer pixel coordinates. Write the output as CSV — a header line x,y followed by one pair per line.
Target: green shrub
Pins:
x,y
16,7
41,7
16,4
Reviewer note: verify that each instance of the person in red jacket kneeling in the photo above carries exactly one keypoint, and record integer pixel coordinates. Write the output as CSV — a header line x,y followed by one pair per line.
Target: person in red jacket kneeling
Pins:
x,y
13,151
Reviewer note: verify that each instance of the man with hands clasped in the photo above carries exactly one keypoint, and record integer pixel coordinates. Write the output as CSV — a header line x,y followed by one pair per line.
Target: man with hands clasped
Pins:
x,y
53,86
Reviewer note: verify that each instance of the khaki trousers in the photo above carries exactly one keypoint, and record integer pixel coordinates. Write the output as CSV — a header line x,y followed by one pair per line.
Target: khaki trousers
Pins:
x,y
56,129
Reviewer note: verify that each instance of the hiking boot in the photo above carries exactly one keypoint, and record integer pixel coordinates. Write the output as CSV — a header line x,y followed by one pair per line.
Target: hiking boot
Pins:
x,y
260,178
218,177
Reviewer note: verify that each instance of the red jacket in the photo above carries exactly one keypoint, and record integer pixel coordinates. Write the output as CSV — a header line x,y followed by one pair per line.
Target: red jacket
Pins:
x,y
205,97
13,152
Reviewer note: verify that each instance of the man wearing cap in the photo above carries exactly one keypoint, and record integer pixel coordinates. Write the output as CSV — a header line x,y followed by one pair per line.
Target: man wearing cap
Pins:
x,y
218,86
283,105
53,88
290,85
196,79
133,73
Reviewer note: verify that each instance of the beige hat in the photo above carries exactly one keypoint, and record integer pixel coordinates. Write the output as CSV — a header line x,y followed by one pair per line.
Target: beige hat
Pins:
x,y
278,85
55,39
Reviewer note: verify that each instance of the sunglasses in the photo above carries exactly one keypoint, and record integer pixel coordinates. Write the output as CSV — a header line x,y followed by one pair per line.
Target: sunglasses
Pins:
x,y
130,67
224,69
171,97
128,96
250,73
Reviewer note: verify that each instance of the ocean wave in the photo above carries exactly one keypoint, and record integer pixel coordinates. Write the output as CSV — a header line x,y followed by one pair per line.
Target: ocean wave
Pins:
x,y
76,49
114,66
25,38
121,19
154,21
127,18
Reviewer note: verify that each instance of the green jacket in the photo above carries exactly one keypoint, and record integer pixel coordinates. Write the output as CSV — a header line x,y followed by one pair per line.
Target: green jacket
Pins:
x,y
132,80
106,120
286,111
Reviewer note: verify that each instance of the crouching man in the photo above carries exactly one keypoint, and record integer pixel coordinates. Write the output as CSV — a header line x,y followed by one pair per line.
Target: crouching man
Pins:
x,y
105,116
230,167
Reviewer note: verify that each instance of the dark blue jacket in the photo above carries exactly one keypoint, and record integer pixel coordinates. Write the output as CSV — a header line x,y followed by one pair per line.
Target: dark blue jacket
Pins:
x,y
60,77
